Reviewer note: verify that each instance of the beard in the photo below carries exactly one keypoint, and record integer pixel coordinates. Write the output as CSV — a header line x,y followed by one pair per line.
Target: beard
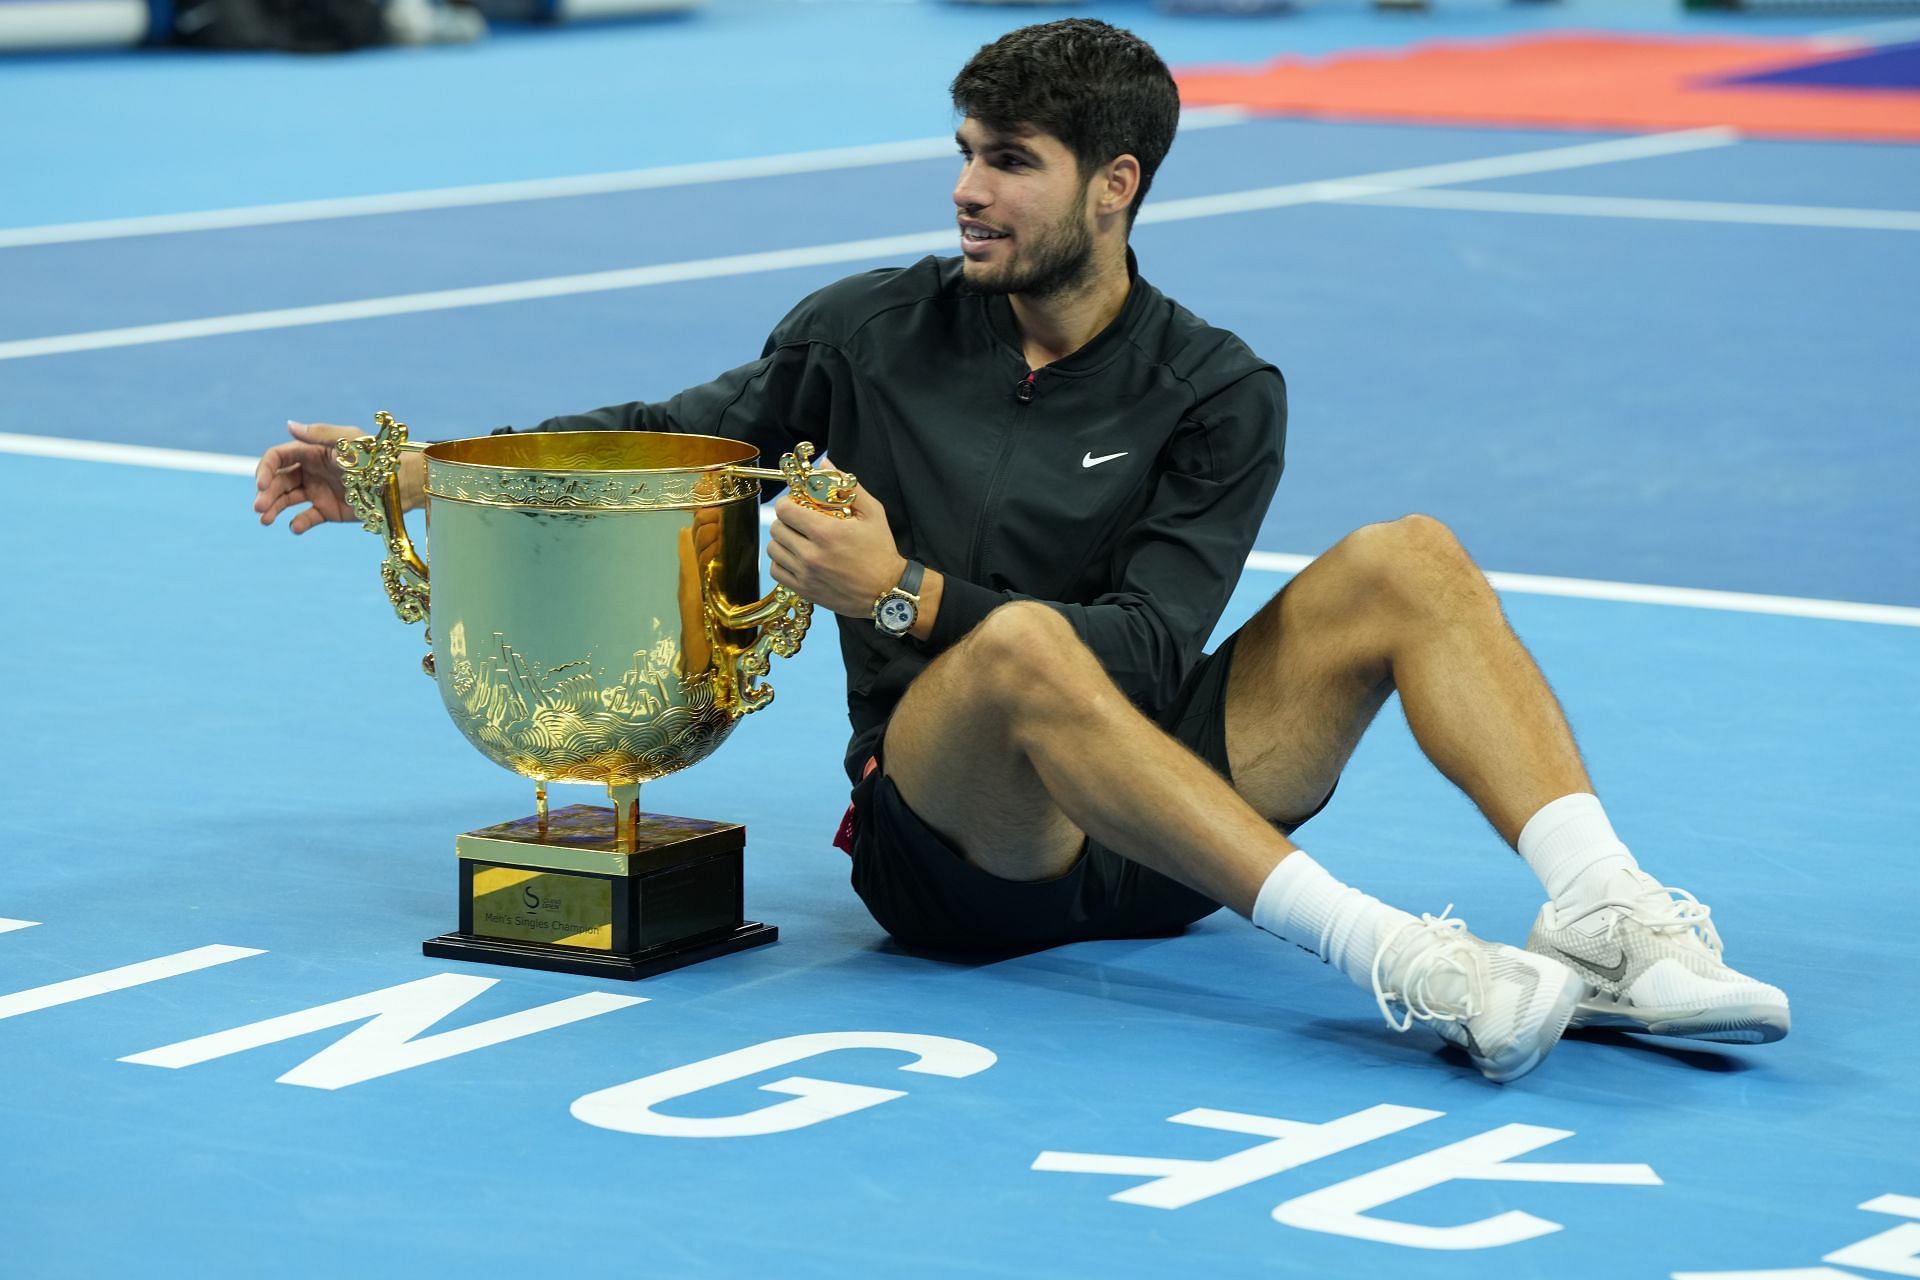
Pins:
x,y
1057,261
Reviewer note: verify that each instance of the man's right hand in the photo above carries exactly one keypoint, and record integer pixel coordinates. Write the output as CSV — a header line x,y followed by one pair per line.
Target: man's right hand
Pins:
x,y
304,471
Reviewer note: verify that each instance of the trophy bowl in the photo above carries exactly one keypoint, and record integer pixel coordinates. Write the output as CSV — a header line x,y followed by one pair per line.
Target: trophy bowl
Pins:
x,y
594,611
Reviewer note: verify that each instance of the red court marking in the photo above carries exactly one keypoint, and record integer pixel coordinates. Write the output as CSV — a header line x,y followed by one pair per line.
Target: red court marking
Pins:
x,y
1569,80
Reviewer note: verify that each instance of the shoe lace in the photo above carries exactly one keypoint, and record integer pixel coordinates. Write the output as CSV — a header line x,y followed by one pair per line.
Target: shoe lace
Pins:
x,y
1449,952
1661,909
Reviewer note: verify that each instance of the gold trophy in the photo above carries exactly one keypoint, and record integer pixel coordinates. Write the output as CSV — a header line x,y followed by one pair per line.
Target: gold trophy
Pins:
x,y
595,617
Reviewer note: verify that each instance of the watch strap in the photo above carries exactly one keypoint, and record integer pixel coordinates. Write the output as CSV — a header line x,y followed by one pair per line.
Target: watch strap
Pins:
x,y
911,576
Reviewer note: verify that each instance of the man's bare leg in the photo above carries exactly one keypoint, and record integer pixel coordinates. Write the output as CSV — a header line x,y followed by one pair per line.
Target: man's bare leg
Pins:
x,y
1401,606
1395,606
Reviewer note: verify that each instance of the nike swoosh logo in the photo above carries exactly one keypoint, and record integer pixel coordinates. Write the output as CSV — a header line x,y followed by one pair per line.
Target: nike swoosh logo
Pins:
x,y
1090,461
1611,973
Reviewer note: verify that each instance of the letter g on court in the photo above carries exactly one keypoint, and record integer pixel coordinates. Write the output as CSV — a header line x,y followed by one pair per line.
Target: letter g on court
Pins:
x,y
629,1108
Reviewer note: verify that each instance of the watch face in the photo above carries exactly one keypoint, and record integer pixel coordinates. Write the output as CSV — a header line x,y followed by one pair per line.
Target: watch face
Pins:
x,y
896,615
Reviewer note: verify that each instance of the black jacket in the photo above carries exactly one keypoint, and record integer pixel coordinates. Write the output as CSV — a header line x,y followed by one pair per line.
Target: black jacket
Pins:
x,y
1123,485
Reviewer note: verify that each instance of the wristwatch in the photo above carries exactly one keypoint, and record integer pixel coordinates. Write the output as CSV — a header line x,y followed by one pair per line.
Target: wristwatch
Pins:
x,y
895,612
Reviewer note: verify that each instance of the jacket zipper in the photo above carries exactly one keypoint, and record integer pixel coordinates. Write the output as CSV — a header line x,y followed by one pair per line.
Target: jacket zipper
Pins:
x,y
1023,396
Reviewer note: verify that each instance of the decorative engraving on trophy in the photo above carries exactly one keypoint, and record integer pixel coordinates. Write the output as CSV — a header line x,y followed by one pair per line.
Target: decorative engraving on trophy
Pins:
x,y
627,490
569,722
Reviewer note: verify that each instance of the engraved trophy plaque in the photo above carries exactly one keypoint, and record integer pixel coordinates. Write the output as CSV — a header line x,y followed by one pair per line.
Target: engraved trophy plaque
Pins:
x,y
594,615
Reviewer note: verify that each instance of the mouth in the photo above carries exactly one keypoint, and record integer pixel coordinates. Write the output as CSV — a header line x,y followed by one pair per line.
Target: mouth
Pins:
x,y
975,237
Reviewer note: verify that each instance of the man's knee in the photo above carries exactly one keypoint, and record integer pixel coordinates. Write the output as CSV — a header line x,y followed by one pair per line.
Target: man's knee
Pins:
x,y
1413,561
1004,672
1016,646
1020,658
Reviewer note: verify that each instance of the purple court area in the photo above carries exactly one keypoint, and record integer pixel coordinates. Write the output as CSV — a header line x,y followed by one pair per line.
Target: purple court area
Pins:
x,y
1894,66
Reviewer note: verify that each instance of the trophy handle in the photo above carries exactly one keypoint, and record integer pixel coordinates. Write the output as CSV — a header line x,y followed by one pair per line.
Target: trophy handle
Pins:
x,y
780,616
370,473
822,489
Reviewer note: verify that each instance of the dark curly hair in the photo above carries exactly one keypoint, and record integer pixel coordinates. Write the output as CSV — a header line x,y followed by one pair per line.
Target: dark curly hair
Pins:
x,y
1102,91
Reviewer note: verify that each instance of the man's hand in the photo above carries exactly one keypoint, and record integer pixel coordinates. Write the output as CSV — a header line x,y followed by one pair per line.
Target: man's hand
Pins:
x,y
839,564
305,472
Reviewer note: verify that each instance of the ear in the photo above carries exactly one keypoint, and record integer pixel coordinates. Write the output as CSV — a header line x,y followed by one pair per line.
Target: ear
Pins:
x,y
1116,185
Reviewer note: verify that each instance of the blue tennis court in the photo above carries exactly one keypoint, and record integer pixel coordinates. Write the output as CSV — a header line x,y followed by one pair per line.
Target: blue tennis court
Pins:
x,y
1663,384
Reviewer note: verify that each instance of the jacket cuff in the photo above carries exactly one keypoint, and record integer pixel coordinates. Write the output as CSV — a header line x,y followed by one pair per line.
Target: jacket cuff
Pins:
x,y
963,605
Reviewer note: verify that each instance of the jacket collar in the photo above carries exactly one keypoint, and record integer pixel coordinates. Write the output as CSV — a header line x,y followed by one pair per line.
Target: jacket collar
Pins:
x,y
1102,347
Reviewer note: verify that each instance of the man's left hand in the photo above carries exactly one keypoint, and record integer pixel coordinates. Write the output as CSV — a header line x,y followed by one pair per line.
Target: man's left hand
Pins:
x,y
839,563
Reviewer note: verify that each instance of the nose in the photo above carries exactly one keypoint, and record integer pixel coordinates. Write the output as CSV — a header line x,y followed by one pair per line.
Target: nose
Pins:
x,y
969,192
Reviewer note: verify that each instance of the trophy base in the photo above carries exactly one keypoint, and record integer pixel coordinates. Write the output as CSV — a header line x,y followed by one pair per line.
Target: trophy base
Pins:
x,y
643,964
564,893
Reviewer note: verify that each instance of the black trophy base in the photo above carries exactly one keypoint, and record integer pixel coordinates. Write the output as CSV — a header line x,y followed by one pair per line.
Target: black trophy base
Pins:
x,y
567,893
641,964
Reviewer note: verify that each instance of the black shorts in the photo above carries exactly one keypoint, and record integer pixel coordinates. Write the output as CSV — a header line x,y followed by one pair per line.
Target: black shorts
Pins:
x,y
925,894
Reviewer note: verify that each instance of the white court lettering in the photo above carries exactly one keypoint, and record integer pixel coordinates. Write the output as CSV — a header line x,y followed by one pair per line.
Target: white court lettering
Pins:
x,y
1895,1251
131,975
387,1043
629,1107
1343,1209
1179,1183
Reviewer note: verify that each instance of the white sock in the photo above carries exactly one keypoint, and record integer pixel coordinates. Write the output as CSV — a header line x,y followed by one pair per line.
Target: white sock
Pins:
x,y
1572,849
1309,908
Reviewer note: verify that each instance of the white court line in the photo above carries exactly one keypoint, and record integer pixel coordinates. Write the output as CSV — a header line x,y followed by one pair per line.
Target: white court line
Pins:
x,y
1529,584
481,295
136,455
1258,561
8,926
1487,168
1772,215
592,184
1555,158
679,175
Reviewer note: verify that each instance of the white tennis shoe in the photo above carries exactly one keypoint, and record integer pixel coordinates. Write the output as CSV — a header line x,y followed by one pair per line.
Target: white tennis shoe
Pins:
x,y
1506,1008
1652,963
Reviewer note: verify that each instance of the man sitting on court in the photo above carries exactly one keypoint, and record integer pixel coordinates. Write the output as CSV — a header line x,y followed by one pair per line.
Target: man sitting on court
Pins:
x,y
1062,473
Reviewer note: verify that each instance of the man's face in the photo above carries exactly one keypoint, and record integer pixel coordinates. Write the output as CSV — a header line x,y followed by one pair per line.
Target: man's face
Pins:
x,y
1025,226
